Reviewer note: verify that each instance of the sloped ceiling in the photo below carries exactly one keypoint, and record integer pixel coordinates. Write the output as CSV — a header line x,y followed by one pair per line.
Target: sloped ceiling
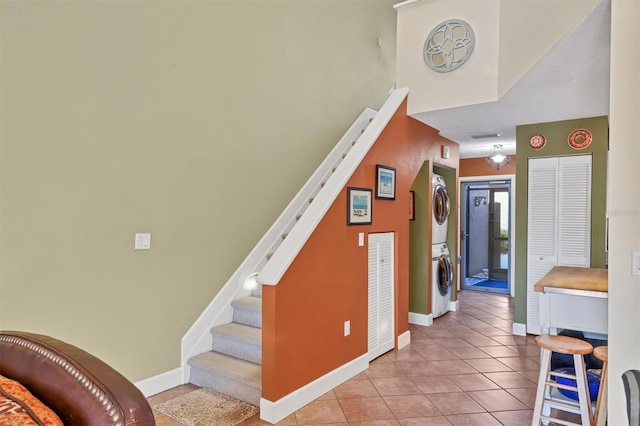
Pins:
x,y
571,81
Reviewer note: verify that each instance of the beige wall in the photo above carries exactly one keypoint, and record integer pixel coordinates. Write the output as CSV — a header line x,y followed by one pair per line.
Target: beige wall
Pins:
x,y
194,121
624,201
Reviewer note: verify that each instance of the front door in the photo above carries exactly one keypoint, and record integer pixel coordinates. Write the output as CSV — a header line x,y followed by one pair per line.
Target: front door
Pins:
x,y
485,236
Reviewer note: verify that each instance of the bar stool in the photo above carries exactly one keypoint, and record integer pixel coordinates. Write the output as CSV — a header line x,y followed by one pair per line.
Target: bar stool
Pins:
x,y
570,346
600,417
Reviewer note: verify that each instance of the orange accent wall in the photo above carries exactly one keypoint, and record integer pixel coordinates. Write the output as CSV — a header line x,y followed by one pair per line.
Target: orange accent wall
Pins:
x,y
479,167
326,285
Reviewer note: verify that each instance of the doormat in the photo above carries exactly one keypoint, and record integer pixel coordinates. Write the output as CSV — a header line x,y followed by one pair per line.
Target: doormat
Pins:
x,y
491,284
204,407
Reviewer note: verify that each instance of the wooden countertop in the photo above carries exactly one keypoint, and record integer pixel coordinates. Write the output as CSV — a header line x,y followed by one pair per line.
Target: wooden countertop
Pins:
x,y
573,278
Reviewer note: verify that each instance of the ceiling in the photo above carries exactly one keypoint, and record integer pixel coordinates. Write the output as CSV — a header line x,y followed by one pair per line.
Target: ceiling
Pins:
x,y
571,81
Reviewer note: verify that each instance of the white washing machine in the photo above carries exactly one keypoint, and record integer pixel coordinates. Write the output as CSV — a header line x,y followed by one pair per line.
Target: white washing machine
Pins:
x,y
442,280
441,206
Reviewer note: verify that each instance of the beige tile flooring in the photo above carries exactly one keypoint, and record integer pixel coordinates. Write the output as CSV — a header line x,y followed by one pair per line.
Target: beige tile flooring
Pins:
x,y
466,369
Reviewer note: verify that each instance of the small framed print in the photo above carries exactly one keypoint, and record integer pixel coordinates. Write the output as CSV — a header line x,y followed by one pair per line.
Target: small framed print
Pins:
x,y
412,205
358,206
385,182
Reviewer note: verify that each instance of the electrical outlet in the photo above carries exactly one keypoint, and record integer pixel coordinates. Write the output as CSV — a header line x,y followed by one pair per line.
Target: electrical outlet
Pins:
x,y
347,328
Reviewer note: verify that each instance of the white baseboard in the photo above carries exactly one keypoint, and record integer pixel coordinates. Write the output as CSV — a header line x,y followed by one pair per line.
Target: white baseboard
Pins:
x,y
519,329
404,339
160,383
420,319
273,412
454,306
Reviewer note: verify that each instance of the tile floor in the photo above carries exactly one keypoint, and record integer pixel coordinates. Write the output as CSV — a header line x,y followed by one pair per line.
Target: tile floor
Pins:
x,y
466,369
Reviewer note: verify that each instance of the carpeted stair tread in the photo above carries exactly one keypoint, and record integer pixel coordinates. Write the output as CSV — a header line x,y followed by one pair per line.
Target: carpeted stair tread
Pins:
x,y
242,371
228,375
248,311
238,340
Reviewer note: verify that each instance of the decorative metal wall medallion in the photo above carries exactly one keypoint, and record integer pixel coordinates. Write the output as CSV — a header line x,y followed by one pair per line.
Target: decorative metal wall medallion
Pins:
x,y
579,138
449,45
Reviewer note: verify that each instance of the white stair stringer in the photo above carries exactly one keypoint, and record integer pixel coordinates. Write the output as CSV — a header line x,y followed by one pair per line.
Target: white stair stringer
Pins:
x,y
242,283
222,349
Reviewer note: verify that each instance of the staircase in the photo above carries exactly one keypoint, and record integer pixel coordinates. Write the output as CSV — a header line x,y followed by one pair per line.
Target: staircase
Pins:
x,y
223,349
233,365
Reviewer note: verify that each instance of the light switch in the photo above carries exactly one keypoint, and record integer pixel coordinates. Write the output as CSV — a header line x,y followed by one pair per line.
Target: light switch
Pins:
x,y
347,328
635,262
361,239
142,242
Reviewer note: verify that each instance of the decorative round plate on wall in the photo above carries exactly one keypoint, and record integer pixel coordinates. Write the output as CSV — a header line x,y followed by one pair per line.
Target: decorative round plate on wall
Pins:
x,y
537,141
580,139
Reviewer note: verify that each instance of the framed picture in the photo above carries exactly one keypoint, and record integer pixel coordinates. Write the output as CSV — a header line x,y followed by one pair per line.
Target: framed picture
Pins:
x,y
412,205
385,182
358,206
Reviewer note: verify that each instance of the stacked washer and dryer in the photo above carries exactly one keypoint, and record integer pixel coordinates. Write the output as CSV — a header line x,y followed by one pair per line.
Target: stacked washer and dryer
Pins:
x,y
442,268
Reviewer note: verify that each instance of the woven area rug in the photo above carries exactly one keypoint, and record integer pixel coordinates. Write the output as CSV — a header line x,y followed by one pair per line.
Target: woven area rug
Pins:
x,y
204,407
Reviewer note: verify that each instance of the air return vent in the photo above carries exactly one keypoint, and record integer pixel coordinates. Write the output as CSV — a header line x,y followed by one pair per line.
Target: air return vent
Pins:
x,y
486,136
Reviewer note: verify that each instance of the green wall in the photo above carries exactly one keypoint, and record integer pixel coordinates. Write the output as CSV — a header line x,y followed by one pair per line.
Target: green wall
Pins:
x,y
420,248
420,244
196,121
450,177
556,134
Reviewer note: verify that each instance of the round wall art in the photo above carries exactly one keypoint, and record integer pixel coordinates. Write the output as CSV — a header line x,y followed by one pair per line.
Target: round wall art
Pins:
x,y
449,45
537,141
579,139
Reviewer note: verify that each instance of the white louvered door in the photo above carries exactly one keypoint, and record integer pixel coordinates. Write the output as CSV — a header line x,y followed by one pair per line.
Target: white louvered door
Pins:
x,y
559,221
381,291
574,211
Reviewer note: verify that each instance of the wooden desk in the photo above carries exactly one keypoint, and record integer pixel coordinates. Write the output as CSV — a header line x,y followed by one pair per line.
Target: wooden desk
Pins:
x,y
575,299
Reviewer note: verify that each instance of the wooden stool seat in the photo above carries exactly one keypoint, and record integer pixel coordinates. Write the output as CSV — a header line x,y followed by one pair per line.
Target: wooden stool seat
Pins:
x,y
544,399
564,344
602,353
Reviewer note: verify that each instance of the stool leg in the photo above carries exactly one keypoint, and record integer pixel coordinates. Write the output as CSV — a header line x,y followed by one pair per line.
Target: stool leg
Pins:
x,y
601,406
545,363
583,390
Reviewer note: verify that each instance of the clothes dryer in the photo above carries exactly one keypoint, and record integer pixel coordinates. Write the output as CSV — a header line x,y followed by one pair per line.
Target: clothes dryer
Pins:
x,y
441,207
442,279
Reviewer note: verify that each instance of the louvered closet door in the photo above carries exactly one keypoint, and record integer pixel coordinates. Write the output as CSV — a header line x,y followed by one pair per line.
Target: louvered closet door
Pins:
x,y
558,230
574,213
381,290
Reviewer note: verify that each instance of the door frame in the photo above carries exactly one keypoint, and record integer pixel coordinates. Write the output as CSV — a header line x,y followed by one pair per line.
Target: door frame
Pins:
x,y
512,220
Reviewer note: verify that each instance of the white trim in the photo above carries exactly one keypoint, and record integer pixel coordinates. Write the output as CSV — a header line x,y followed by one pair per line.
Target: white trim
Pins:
x,y
198,338
420,319
160,383
519,329
404,339
404,3
273,412
289,248
454,305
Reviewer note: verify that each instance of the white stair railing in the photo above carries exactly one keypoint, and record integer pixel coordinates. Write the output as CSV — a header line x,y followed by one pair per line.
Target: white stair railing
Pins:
x,y
298,234
288,234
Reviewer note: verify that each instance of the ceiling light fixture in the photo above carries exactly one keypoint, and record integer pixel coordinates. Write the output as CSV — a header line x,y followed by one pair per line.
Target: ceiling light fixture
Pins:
x,y
498,159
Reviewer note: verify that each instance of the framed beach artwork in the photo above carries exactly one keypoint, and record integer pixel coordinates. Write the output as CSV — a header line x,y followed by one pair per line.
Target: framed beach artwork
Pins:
x,y
385,182
358,206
